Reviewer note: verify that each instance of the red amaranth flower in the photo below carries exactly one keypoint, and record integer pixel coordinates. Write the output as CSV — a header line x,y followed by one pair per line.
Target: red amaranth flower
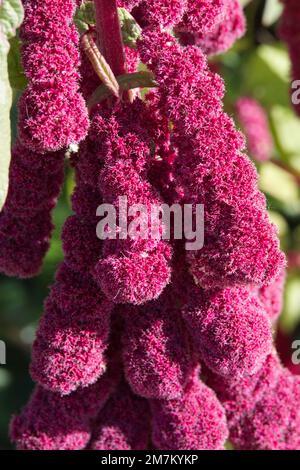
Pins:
x,y
231,330
53,114
115,377
202,16
157,353
274,424
160,13
222,37
123,424
210,167
271,296
73,334
136,269
254,122
195,421
262,409
25,221
52,422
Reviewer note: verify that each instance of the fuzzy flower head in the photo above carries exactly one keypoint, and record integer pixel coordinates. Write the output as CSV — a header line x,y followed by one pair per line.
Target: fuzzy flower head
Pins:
x,y
123,424
157,353
254,122
135,269
52,422
160,13
68,351
274,422
238,230
221,38
202,16
195,421
52,114
231,330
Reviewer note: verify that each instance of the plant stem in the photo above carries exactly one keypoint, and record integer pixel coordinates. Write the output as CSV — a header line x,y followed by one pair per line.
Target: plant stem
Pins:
x,y
109,35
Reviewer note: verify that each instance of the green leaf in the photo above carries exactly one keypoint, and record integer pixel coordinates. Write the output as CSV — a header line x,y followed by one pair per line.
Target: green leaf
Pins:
x,y
85,16
128,81
11,15
266,75
244,2
131,31
285,125
15,70
291,314
272,12
279,184
5,105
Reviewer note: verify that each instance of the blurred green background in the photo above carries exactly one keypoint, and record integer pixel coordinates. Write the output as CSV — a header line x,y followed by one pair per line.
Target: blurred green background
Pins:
x,y
258,66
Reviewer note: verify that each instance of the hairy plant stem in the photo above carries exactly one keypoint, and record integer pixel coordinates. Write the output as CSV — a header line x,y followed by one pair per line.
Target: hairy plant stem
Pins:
x,y
109,35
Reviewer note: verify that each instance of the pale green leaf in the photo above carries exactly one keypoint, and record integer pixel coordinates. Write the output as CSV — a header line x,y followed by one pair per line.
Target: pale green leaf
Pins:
x,y
278,183
272,12
11,15
266,75
85,16
131,31
286,126
5,105
291,314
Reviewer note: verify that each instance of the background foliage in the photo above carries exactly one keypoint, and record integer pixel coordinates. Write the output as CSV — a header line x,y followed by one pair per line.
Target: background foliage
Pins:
x,y
258,65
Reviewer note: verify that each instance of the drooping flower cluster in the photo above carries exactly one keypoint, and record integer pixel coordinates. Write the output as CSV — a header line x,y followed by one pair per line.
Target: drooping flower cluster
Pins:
x,y
73,334
54,422
213,170
52,115
254,122
202,16
131,323
25,222
160,14
224,24
262,410
70,351
135,270
289,32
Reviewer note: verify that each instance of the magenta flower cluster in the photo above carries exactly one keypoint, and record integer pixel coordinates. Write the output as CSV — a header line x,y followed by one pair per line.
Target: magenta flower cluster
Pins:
x,y
144,345
25,221
254,122
132,270
52,115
